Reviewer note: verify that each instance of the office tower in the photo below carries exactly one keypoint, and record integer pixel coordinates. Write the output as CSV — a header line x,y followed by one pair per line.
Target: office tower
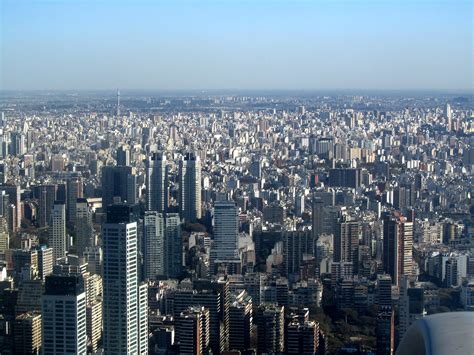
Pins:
x,y
410,306
346,242
74,191
302,337
385,331
192,331
94,323
344,177
240,324
448,115
93,257
297,245
29,296
154,245
143,318
123,156
46,195
4,235
190,187
64,315
397,246
18,144
157,183
14,198
317,217
173,246
271,329
120,282
27,333
384,291
45,262
57,231
118,185
84,229
226,229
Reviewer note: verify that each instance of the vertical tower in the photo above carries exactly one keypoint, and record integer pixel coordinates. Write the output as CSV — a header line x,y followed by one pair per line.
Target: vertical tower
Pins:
x,y
118,185
271,329
121,313
157,183
346,242
190,187
397,246
448,116
226,228
57,231
154,244
64,315
27,333
84,230
192,331
74,191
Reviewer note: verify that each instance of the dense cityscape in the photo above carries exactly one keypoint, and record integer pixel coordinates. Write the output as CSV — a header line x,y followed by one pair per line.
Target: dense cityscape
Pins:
x,y
273,222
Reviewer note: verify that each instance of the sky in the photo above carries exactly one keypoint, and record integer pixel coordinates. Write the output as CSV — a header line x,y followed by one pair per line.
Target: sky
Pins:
x,y
232,44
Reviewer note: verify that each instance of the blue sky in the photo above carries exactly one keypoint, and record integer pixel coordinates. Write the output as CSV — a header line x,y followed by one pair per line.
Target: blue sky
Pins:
x,y
230,44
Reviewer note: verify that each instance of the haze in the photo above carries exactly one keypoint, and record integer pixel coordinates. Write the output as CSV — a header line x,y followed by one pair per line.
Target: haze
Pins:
x,y
169,45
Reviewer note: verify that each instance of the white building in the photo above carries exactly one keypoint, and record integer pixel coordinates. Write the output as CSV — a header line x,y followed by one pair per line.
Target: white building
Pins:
x,y
64,315
57,231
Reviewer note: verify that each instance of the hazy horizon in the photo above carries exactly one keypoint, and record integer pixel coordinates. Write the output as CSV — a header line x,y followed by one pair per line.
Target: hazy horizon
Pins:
x,y
212,45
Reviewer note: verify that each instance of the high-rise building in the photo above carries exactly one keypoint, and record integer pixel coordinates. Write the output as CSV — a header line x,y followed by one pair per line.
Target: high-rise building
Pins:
x,y
190,187
84,229
45,262
192,331
240,323
64,315
143,318
226,229
271,329
4,235
317,217
46,195
302,337
296,245
346,242
157,183
397,246
385,331
448,115
94,323
410,306
14,198
57,231
27,333
123,156
74,191
120,283
118,185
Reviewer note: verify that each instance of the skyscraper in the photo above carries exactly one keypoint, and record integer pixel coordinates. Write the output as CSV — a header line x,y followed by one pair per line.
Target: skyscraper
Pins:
x,y
46,195
192,331
74,191
448,115
84,230
226,229
27,333
120,282
123,156
154,245
57,231
190,187
118,185
346,242
397,246
64,315
271,329
157,183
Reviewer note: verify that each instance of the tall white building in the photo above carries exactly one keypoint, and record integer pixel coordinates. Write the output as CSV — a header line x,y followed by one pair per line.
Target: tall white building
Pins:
x,y
121,312
154,244
190,187
64,315
448,115
226,229
157,183
57,231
